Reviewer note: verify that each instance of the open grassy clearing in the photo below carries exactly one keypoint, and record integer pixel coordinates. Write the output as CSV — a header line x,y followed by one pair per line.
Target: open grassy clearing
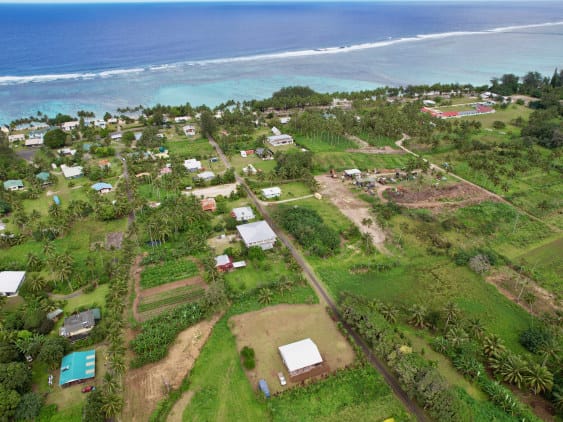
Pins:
x,y
191,148
88,300
170,298
156,275
324,161
324,142
257,273
378,141
357,394
262,331
239,162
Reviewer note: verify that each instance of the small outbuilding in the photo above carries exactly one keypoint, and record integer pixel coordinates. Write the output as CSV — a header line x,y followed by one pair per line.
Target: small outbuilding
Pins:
x,y
352,173
44,177
243,214
77,367
102,187
301,357
270,193
206,176
208,204
223,263
10,282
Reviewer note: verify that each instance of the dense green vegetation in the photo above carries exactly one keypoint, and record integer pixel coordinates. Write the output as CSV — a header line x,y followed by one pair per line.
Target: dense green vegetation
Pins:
x,y
156,275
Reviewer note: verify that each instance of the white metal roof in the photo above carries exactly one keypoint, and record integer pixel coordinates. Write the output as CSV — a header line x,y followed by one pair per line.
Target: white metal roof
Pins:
x,y
256,232
300,354
352,172
192,163
271,191
71,171
33,141
243,213
222,260
281,137
10,281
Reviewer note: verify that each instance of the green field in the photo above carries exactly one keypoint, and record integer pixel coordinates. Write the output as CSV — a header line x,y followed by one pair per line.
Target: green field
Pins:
x,y
325,142
191,148
170,298
156,275
323,162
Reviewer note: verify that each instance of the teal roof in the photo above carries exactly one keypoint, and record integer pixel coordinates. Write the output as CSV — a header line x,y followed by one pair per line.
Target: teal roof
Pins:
x,y
78,366
43,176
12,183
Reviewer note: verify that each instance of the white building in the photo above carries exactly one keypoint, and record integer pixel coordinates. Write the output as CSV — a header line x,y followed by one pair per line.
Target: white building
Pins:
x,y
276,131
181,119
34,142
352,172
16,137
192,165
285,120
68,126
189,130
243,214
10,282
71,172
279,140
67,151
300,357
257,234
270,193
206,176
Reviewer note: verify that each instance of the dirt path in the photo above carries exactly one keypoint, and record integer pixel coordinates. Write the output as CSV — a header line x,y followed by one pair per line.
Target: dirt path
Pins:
x,y
353,208
146,386
175,414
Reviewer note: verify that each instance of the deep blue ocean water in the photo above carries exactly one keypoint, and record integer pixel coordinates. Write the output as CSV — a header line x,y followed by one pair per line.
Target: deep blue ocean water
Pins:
x,y
60,58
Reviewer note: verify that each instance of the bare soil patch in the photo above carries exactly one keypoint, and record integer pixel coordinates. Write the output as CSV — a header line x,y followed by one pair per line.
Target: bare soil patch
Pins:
x,y
146,386
352,207
444,196
214,191
506,281
114,240
377,150
175,414
267,329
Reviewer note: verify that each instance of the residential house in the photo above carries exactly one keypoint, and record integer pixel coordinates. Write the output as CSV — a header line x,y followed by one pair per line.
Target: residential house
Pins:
x,y
208,204
352,173
249,169
102,187
66,152
279,140
13,185
223,263
103,164
79,325
33,142
18,137
206,176
10,282
71,172
69,126
181,119
243,214
258,233
189,130
77,367
270,193
264,153
44,177
192,165
116,136
301,357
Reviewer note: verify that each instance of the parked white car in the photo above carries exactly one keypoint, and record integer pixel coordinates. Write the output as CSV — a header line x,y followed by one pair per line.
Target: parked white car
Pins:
x,y
282,379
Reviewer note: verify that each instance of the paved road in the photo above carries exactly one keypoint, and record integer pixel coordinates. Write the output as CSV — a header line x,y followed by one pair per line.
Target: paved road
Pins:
x,y
324,296
399,143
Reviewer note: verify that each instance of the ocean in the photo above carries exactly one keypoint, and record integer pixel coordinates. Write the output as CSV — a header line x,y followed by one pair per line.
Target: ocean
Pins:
x,y
98,57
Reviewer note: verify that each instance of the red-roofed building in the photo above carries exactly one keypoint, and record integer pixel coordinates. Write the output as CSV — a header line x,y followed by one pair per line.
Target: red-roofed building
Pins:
x,y
448,114
483,109
208,204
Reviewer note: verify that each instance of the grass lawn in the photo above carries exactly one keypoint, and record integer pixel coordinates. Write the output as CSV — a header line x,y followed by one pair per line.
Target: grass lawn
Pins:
x,y
262,331
324,161
289,190
325,142
239,162
95,299
257,273
191,148
357,394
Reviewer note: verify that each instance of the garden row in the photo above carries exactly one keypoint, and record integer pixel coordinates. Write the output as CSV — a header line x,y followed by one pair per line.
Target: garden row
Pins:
x,y
157,275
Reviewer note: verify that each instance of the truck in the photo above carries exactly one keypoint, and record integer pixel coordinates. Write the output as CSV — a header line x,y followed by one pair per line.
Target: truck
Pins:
x,y
263,385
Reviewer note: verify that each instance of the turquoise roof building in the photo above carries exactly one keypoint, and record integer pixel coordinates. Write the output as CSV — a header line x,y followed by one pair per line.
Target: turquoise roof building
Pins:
x,y
43,176
13,184
77,366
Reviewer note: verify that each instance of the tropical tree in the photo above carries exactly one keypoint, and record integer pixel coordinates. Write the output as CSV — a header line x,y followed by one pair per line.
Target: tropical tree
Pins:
x,y
417,316
475,328
451,311
265,296
493,346
112,403
539,379
513,369
34,262
550,350
389,312
35,283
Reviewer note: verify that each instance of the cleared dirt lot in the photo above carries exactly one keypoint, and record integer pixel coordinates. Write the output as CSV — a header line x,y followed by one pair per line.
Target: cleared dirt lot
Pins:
x,y
213,191
352,207
146,386
271,327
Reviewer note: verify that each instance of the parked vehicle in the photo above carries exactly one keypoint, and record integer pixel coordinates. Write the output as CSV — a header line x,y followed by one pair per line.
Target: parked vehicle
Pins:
x,y
88,388
282,379
263,385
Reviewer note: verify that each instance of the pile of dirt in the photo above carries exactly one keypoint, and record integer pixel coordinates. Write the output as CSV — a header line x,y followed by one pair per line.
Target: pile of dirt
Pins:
x,y
459,193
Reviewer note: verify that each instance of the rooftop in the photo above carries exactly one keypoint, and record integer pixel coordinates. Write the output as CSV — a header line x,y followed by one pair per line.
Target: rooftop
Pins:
x,y
256,232
10,281
78,366
300,354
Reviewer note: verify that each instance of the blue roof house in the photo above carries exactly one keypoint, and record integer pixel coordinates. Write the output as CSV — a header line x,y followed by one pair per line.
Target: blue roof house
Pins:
x,y
102,187
77,367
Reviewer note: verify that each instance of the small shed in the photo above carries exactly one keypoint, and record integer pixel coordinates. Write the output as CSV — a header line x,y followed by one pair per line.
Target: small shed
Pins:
x,y
352,173
55,315
300,357
223,263
44,178
102,187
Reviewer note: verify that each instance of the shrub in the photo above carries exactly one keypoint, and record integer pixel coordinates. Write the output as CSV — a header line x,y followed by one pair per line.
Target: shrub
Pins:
x,y
534,337
497,124
479,264
248,357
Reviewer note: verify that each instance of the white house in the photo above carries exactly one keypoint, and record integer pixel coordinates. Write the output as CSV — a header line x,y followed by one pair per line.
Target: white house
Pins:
x,y
300,357
10,282
189,130
71,172
100,123
249,169
33,142
270,193
279,140
352,172
276,131
285,120
67,151
102,187
257,234
68,126
181,119
4,129
192,165
206,176
16,137
243,214
116,135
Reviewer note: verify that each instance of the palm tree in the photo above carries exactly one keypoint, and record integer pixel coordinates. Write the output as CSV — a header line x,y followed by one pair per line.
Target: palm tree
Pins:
x,y
513,369
550,349
35,283
389,312
112,404
475,328
48,248
457,337
34,263
417,316
452,312
539,379
493,346
265,296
